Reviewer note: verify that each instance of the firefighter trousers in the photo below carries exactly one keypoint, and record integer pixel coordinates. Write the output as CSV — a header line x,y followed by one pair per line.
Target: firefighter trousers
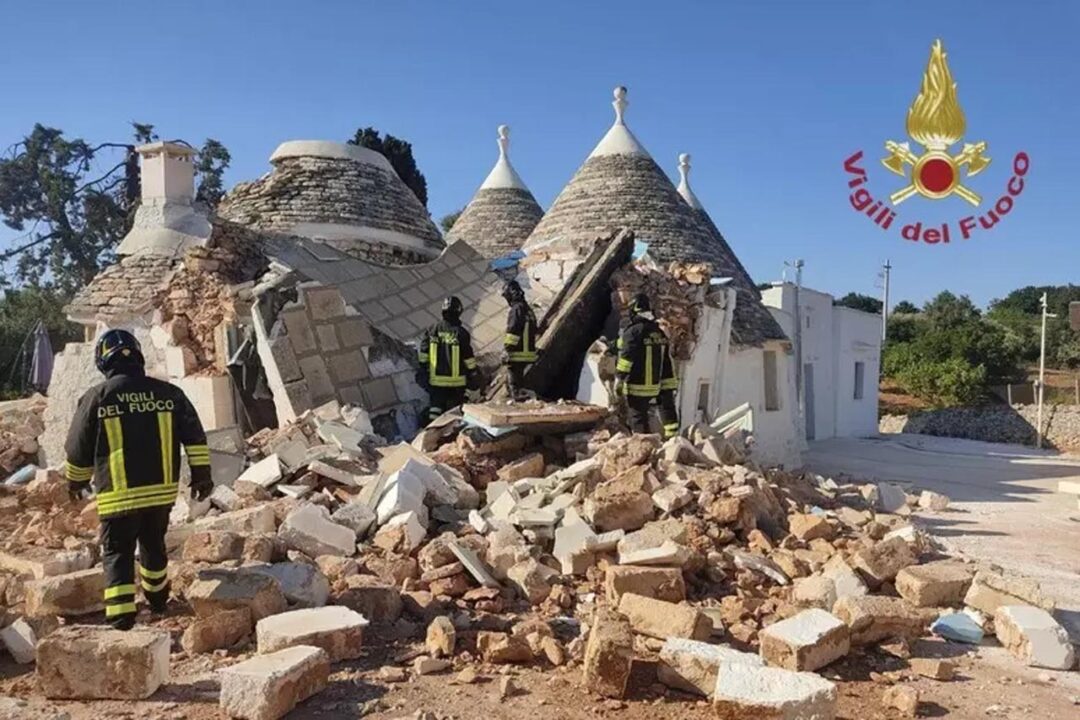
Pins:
x,y
515,377
639,413
119,537
443,399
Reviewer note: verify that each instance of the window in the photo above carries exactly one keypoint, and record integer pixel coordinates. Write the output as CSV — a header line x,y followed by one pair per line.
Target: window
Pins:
x,y
860,375
772,388
703,401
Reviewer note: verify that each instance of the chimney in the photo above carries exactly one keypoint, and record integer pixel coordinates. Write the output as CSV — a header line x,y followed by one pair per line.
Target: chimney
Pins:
x,y
168,172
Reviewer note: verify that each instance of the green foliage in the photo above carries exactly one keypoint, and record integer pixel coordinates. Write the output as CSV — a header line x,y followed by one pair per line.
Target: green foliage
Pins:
x,y
944,383
1021,313
448,221
858,301
905,308
20,311
948,311
210,168
400,155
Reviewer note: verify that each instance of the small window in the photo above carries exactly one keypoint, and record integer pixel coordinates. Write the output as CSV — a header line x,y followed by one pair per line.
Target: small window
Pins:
x,y
860,375
703,399
808,321
772,388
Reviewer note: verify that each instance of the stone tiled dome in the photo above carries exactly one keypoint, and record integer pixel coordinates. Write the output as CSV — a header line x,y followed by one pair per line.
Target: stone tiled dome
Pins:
x,y
344,195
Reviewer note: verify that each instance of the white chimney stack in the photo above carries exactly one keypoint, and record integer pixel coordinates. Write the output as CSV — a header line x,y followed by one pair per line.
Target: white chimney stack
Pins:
x,y
168,172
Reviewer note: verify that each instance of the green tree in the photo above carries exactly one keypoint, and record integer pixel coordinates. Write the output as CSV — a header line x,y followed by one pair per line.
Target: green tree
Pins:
x,y
20,311
210,168
447,221
947,310
400,154
858,301
905,308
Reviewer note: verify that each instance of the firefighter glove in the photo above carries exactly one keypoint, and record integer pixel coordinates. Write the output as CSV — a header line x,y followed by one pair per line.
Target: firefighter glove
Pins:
x,y
79,490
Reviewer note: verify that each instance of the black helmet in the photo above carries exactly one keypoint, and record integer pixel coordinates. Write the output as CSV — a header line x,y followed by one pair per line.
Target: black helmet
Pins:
x,y
640,304
117,347
452,308
512,291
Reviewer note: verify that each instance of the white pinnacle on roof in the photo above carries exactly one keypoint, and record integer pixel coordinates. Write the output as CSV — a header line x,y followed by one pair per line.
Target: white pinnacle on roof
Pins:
x,y
684,183
503,174
619,140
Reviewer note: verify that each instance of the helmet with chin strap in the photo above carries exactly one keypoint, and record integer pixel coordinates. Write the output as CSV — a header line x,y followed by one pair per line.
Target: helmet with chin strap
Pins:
x,y
452,309
117,347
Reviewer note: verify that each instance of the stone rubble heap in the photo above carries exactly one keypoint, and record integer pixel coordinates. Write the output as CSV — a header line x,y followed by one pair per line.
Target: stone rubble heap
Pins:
x,y
21,422
591,549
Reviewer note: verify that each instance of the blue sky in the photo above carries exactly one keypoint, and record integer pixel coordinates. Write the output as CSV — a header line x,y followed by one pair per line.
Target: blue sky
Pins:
x,y
769,97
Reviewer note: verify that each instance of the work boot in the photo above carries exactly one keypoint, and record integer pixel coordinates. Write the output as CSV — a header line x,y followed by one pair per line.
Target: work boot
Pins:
x,y
123,622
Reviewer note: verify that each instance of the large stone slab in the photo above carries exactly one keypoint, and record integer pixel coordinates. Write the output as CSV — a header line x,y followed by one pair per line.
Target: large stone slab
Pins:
x,y
658,583
337,630
222,630
310,530
991,590
936,584
215,590
874,618
1032,635
880,564
40,562
266,687
764,693
693,666
609,654
664,620
304,585
808,641
84,662
77,593
20,640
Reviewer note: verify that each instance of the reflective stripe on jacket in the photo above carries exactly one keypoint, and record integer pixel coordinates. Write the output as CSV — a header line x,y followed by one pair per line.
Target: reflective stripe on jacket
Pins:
x,y
645,359
446,351
520,340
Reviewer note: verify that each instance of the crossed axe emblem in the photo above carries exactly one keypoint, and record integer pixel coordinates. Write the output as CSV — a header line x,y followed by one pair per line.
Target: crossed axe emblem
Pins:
x,y
935,173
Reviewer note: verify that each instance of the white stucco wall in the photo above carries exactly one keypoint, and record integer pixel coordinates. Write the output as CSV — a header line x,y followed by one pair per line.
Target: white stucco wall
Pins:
x,y
858,339
708,363
777,433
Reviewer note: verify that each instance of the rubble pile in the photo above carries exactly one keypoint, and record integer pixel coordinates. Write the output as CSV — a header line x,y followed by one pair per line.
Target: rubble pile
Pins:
x,y
21,421
676,291
535,543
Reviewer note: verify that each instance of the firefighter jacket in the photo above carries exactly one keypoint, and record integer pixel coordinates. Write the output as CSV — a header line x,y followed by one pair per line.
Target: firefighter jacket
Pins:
x,y
446,352
644,358
126,435
520,341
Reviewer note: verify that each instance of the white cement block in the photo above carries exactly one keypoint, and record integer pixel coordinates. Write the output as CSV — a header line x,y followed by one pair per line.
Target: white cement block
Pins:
x,y
20,640
747,691
310,530
266,472
693,666
1033,636
334,628
266,687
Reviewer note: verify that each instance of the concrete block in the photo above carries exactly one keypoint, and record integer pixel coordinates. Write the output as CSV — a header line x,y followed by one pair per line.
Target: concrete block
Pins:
x,y
249,521
1032,635
225,498
815,591
20,640
337,630
936,584
652,582
808,641
663,620
264,473
672,497
212,396
356,516
84,662
890,498
404,492
474,565
990,590
304,585
693,666
223,630
310,530
609,654
218,589
266,687
77,593
745,691
225,468
880,564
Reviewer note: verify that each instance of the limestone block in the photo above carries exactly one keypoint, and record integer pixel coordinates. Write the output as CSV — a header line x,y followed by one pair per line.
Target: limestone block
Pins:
x,y
880,563
371,597
808,641
304,585
310,530
745,691
936,584
357,516
693,666
77,593
532,579
266,687
1032,635
651,582
846,582
264,473
84,662
815,591
441,637
609,654
990,590
218,589
663,620
214,546
337,630
20,640
874,618
222,630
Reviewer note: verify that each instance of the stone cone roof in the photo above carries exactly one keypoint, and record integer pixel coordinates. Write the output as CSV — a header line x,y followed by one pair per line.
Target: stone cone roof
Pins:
x,y
753,323
502,213
346,196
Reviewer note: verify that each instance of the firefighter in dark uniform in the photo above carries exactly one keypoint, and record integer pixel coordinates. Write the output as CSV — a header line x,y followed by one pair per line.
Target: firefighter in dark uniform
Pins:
x,y
519,345
447,364
124,443
645,372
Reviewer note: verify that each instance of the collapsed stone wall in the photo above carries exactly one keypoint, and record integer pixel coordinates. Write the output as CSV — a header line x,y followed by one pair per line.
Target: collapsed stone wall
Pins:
x,y
993,423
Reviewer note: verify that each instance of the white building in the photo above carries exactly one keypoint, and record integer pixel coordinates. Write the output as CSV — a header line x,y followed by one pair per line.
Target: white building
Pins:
x,y
841,357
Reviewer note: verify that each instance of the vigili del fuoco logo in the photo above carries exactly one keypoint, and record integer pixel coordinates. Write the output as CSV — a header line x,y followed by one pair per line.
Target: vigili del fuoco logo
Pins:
x,y
936,122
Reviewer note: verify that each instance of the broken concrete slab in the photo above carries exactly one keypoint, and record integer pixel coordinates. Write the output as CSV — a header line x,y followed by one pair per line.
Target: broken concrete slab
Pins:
x,y
693,666
264,473
609,654
474,565
663,620
403,492
77,593
747,691
304,585
225,498
1033,636
343,436
20,640
218,589
337,630
355,515
808,641
653,582
936,584
266,687
310,530
670,554
84,662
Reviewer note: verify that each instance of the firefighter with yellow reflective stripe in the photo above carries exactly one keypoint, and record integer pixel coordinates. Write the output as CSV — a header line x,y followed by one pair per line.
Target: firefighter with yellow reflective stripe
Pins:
x,y
644,371
447,364
519,345
124,444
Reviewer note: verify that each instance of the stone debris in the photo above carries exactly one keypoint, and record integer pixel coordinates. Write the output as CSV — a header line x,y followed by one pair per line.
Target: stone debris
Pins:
x,y
935,669
215,590
441,637
936,584
809,641
1033,635
85,662
609,655
221,630
266,687
902,698
337,630
958,627
693,666
658,583
20,640
745,691
77,593
663,620
990,590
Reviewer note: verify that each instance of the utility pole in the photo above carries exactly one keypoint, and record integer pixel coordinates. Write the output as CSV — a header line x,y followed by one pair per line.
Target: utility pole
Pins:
x,y
798,265
885,302
1042,372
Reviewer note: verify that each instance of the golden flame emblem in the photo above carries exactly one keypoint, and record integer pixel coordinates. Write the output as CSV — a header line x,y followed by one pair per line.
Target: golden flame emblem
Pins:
x,y
936,121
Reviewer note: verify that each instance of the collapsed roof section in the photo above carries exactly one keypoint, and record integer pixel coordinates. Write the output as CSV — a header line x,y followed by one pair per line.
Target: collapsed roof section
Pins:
x,y
752,324
344,195
502,213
